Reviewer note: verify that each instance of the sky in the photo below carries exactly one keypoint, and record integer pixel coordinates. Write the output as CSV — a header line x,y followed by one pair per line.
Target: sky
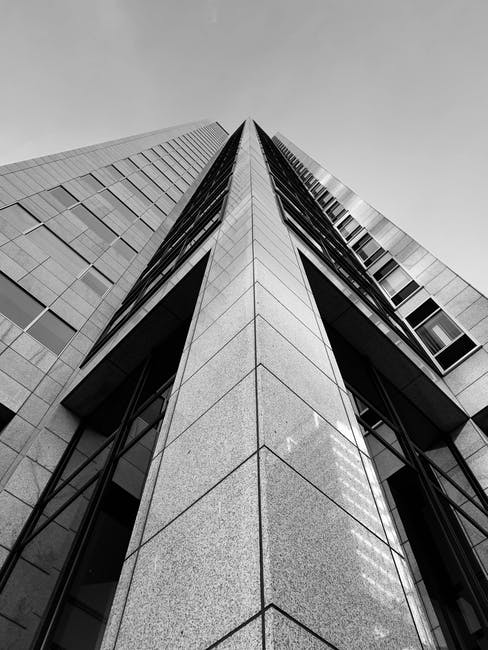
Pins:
x,y
391,96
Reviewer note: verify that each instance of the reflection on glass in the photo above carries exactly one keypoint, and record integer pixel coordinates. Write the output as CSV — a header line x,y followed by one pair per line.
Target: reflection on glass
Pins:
x,y
63,196
65,256
51,331
17,304
96,281
17,217
94,223
438,332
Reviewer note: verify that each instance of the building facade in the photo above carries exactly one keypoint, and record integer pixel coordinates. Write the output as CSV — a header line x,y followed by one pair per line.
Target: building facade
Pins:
x,y
239,408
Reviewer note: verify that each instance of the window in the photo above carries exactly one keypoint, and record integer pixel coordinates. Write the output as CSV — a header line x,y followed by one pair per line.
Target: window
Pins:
x,y
94,223
395,281
113,172
438,331
136,192
124,249
17,304
96,281
349,228
51,331
132,166
368,249
31,315
18,217
92,182
63,196
116,203
444,339
58,250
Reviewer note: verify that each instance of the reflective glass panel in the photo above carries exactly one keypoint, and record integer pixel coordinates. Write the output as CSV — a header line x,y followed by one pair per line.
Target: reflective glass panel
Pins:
x,y
116,203
393,282
438,332
367,248
63,196
94,223
16,216
124,249
114,173
349,227
136,192
92,182
17,304
96,281
52,332
57,249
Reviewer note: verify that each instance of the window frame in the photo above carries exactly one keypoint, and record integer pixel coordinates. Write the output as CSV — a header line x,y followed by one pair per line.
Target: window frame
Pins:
x,y
45,308
462,333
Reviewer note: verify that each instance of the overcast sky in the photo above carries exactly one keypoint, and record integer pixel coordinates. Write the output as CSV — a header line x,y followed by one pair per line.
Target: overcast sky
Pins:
x,y
391,96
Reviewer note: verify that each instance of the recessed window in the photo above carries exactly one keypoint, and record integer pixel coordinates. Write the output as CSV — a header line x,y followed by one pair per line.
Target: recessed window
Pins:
x,y
96,281
17,304
444,339
136,192
63,196
438,331
92,182
94,223
18,217
116,203
149,181
368,249
349,228
32,316
51,331
58,250
114,173
151,155
395,281
124,249
131,165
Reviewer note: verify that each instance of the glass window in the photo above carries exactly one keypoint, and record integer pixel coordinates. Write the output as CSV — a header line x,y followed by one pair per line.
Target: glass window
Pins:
x,y
349,227
18,217
116,203
395,281
51,331
94,223
438,332
114,173
63,196
124,249
132,166
368,249
152,184
149,153
57,249
96,281
92,182
17,304
136,192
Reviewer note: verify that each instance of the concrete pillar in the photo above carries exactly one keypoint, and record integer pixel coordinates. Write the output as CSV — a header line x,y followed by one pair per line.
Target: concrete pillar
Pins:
x,y
260,523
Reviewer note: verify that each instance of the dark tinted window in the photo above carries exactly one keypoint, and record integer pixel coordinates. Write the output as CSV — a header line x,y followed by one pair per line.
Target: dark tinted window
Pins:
x,y
17,304
63,196
94,223
52,332
92,182
16,216
124,249
96,281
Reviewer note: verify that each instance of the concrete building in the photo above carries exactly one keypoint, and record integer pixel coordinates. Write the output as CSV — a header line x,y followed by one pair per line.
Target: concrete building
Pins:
x,y
239,408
